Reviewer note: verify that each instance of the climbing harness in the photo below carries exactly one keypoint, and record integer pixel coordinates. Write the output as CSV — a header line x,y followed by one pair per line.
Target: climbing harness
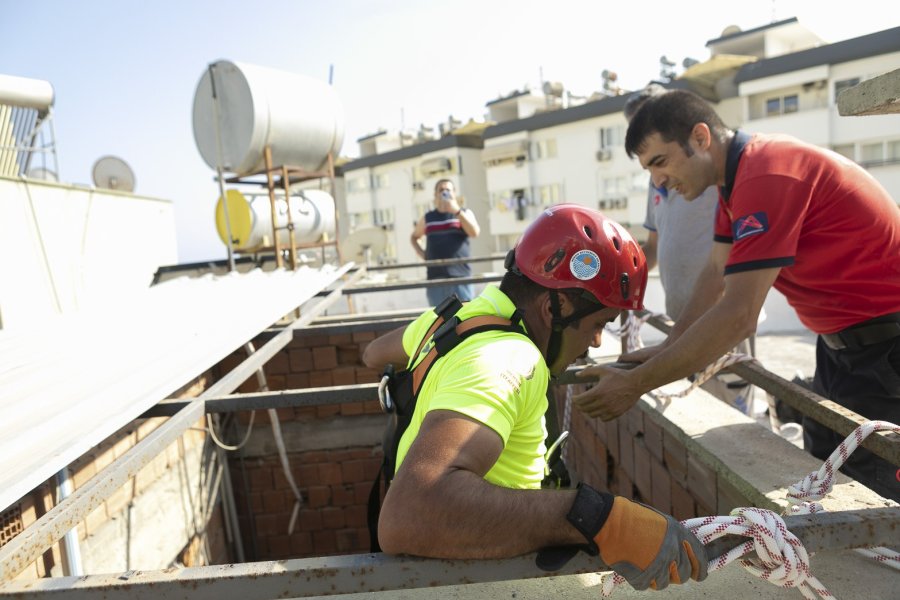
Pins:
x,y
781,558
398,391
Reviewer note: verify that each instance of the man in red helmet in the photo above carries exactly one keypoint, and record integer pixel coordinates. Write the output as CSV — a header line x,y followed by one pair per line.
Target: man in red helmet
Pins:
x,y
470,465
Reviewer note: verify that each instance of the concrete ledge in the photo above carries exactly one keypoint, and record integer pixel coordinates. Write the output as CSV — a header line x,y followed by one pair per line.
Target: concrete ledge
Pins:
x,y
877,96
756,461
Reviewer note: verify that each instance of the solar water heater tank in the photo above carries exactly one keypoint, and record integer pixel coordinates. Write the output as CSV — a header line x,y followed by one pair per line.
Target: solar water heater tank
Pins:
x,y
300,118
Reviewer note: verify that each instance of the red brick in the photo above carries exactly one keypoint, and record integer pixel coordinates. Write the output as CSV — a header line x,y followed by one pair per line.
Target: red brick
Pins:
x,y
324,542
675,458
702,483
297,381
273,501
351,409
256,502
300,360
318,496
342,495
309,520
301,544
329,473
324,358
332,517
353,471
305,414
612,439
653,438
266,525
344,376
642,470
367,375
305,474
279,546
728,497
356,516
320,379
626,448
279,364
363,336
276,382
347,540
261,478
635,418
682,503
348,355
339,339
361,491
661,487
305,339
325,411
625,484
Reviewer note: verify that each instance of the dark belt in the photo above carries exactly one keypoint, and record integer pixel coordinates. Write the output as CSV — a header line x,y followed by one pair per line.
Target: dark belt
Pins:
x,y
873,331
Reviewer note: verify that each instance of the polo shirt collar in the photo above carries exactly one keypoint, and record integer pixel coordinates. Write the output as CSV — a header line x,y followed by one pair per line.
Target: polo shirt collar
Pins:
x,y
735,149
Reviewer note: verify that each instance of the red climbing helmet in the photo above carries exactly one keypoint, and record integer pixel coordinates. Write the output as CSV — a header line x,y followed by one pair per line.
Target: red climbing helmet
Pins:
x,y
571,246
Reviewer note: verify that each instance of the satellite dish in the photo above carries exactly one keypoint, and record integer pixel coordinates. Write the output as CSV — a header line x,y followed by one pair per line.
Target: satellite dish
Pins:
x,y
364,245
113,173
42,173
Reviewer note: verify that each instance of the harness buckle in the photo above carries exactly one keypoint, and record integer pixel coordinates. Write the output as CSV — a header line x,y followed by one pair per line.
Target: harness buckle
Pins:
x,y
384,394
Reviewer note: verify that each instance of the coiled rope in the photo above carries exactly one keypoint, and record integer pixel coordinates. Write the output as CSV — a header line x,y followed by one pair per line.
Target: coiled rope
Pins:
x,y
781,558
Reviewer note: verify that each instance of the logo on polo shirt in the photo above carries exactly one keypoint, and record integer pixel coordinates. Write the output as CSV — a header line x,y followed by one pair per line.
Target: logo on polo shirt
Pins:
x,y
750,225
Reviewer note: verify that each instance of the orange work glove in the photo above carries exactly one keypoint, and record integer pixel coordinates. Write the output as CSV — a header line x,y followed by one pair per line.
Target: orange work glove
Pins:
x,y
649,549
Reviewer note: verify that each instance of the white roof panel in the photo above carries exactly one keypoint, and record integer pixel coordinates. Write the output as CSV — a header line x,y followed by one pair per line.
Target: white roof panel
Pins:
x,y
68,385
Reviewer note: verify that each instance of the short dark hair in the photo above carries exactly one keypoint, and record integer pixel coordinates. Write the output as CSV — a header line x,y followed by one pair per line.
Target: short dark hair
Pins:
x,y
522,290
636,100
673,116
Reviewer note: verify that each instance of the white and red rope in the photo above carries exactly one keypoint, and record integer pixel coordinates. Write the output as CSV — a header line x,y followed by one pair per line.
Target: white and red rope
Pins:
x,y
780,557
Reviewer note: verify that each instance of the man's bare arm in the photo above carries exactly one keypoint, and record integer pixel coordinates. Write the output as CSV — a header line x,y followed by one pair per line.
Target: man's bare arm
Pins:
x,y
385,350
440,506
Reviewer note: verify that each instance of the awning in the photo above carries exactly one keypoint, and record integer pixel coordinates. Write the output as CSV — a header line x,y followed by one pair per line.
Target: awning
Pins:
x,y
504,152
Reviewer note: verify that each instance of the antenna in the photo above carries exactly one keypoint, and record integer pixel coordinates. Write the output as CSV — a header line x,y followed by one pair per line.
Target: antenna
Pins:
x,y
113,173
364,246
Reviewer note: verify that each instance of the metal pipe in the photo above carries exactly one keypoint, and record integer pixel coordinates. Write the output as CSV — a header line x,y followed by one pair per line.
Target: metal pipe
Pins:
x,y
336,575
71,549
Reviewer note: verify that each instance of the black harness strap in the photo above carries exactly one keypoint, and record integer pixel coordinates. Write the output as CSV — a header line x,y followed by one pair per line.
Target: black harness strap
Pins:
x,y
445,333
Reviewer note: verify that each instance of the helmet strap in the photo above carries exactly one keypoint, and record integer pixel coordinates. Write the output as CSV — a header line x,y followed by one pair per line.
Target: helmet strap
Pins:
x,y
558,323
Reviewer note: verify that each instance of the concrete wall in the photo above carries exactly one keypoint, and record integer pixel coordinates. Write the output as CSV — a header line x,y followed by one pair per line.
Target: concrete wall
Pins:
x,y
63,246
161,517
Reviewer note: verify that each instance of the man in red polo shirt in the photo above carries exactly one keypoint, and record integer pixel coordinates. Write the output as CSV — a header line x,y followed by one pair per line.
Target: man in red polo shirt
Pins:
x,y
805,220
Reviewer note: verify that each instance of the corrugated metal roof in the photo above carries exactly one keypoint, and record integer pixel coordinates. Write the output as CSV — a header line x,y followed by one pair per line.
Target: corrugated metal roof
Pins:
x,y
66,386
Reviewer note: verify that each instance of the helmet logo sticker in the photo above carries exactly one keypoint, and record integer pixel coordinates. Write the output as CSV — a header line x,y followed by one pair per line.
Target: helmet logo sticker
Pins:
x,y
585,264
554,260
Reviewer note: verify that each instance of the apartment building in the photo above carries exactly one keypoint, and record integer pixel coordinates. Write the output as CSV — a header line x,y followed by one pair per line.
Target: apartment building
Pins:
x,y
539,148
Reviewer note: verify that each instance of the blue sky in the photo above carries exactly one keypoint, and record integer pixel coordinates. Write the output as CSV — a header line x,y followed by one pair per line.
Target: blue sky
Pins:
x,y
124,72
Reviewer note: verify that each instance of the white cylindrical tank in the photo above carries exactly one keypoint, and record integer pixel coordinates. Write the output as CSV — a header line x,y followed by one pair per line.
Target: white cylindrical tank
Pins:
x,y
301,119
22,91
250,218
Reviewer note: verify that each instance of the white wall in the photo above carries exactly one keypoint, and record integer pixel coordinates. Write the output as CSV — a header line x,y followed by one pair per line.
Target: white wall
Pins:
x,y
63,247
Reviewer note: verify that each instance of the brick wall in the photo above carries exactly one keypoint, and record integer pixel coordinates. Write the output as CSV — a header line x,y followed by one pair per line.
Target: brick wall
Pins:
x,y
335,482
633,456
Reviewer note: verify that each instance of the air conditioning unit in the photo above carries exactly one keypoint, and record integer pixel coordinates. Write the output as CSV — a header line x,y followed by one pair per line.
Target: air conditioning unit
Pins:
x,y
604,154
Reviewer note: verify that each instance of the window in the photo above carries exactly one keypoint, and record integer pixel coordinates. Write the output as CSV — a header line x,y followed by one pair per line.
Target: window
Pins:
x,y
611,137
384,217
548,194
380,181
782,105
893,150
871,152
357,184
846,150
791,104
843,84
612,204
545,149
360,220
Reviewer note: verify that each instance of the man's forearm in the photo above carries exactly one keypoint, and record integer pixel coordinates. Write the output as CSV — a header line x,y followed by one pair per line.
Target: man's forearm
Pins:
x,y
463,516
